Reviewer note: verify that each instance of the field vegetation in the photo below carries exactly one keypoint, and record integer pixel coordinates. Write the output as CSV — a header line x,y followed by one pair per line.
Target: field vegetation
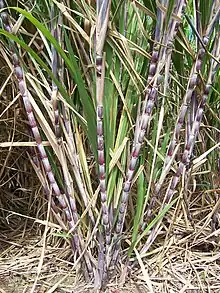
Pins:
x,y
110,145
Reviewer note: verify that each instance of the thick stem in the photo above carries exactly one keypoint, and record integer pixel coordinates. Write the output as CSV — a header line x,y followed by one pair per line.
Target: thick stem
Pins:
x,y
47,192
103,8
150,98
67,204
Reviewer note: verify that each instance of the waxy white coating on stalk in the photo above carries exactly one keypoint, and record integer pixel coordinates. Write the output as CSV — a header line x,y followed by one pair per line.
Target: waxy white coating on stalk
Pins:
x,y
151,95
102,181
187,99
103,9
192,83
192,135
194,131
47,192
63,201
147,111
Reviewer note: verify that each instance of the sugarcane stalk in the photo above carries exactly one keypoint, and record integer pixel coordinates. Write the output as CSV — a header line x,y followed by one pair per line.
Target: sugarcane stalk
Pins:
x,y
180,120
150,98
193,81
192,138
193,131
201,106
58,71
67,204
28,107
103,10
187,99
172,31
36,165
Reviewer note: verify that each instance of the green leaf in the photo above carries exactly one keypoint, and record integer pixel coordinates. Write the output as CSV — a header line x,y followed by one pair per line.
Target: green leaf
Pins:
x,y
152,224
205,11
151,5
169,12
86,101
141,187
62,235
45,67
75,73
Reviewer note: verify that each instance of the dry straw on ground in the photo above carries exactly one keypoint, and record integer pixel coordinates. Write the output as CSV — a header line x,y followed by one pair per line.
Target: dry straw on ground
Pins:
x,y
182,259
62,227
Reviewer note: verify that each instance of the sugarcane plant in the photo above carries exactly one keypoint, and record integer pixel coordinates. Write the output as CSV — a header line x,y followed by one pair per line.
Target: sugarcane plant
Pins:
x,y
192,135
66,202
103,9
118,91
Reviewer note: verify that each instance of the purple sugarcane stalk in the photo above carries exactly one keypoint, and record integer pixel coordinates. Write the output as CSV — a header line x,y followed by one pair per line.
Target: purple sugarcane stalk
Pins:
x,y
55,61
180,120
193,134
194,79
187,99
191,86
150,99
58,72
67,204
103,9
47,192
200,109
172,31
